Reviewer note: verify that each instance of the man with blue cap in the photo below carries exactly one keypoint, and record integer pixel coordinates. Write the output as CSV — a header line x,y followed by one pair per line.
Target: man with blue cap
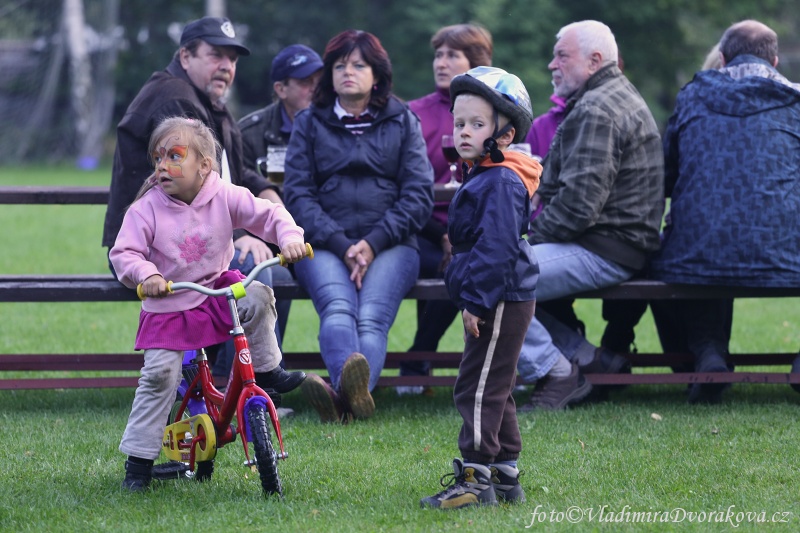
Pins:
x,y
295,72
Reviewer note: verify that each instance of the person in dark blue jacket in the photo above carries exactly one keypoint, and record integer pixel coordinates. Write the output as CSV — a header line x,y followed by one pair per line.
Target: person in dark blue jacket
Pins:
x,y
358,180
492,280
732,166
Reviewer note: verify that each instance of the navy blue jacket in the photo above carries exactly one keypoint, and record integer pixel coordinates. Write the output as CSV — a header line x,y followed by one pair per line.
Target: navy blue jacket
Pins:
x,y
341,188
732,161
487,218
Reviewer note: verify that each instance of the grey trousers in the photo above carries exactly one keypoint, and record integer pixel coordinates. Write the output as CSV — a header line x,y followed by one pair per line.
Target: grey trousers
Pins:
x,y
161,373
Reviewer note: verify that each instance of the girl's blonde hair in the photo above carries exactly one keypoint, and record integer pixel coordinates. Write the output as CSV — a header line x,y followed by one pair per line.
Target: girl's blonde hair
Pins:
x,y
200,138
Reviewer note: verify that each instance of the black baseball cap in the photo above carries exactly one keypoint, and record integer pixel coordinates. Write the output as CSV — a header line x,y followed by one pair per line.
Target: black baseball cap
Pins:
x,y
295,61
215,31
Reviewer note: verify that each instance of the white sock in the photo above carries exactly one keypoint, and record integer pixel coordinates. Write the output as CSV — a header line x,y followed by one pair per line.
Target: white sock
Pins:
x,y
561,369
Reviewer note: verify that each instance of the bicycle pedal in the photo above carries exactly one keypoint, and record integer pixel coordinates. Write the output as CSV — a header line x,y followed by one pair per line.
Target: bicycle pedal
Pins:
x,y
172,470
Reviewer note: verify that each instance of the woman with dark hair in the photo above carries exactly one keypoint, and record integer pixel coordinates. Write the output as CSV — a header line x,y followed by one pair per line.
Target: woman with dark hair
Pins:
x,y
359,182
457,49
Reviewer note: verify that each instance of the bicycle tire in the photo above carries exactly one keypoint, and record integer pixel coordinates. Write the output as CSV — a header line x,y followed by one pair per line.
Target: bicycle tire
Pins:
x,y
174,409
264,452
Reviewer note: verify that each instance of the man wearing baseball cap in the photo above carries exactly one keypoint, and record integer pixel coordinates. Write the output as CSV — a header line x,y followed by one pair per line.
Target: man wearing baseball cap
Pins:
x,y
295,72
195,84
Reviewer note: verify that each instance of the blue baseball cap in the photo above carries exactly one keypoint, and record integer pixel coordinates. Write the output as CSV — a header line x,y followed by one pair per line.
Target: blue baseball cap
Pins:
x,y
295,61
215,31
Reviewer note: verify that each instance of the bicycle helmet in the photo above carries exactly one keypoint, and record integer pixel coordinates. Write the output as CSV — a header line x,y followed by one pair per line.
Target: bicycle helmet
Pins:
x,y
504,91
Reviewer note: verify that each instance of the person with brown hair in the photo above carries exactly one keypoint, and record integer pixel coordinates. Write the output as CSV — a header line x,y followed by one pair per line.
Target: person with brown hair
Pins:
x,y
457,49
358,180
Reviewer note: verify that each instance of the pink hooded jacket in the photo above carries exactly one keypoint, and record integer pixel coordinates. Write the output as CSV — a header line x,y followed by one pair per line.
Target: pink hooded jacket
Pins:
x,y
163,235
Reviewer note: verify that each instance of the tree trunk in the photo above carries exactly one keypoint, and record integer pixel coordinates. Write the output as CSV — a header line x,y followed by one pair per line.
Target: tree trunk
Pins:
x,y
43,111
80,69
215,8
102,109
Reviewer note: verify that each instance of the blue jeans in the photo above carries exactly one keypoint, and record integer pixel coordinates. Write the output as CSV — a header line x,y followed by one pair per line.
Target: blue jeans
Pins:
x,y
222,365
564,269
357,321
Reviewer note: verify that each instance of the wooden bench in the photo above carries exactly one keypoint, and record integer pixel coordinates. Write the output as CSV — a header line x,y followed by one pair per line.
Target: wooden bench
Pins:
x,y
104,288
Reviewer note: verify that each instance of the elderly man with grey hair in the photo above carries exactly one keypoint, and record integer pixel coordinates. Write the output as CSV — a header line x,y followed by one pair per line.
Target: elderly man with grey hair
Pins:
x,y
601,197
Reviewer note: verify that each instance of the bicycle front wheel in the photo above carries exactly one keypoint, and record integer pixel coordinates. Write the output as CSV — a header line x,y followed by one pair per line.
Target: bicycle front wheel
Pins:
x,y
266,458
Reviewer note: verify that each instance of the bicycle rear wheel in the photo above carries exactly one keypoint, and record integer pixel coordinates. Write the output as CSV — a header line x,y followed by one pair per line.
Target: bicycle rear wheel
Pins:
x,y
266,458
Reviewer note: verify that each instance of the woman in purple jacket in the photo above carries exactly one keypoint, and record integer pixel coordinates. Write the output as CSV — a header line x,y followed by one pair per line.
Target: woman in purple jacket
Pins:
x,y
457,49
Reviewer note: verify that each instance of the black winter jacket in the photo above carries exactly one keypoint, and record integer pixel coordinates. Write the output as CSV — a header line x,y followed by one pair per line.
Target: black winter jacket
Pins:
x,y
261,129
167,93
376,186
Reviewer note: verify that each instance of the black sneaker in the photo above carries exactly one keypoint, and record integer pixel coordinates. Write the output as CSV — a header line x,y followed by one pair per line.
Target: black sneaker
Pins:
x,y
709,393
554,394
505,479
469,484
137,476
280,380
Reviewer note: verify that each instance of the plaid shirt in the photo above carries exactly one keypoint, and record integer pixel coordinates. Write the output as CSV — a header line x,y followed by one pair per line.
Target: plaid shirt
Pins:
x,y
603,180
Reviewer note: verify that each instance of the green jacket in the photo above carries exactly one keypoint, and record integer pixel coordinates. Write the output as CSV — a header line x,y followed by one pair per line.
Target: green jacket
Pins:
x,y
603,180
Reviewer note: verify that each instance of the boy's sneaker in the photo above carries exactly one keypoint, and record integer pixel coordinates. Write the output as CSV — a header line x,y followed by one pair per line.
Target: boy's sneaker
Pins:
x,y
469,484
354,386
323,399
505,479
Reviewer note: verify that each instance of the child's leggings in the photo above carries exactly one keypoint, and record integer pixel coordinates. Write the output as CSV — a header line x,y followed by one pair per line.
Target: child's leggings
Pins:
x,y
161,374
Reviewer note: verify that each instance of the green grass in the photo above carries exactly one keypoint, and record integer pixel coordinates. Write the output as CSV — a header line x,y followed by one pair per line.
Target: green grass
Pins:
x,y
60,468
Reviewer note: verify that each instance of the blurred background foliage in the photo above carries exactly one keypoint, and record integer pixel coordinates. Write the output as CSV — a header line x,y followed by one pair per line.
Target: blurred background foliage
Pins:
x,y
662,42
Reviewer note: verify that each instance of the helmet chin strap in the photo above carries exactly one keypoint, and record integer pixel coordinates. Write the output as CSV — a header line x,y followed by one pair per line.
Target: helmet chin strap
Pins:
x,y
490,144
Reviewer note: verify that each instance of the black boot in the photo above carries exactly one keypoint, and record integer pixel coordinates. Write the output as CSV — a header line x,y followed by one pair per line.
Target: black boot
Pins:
x,y
137,476
280,380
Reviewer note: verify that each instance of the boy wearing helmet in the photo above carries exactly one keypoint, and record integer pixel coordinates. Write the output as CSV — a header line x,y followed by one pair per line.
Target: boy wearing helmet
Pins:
x,y
491,279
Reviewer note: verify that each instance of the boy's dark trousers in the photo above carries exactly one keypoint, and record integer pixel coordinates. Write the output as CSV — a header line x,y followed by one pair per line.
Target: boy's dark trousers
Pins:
x,y
485,381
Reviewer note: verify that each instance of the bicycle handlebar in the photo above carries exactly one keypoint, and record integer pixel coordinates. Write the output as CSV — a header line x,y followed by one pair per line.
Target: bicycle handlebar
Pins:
x,y
278,260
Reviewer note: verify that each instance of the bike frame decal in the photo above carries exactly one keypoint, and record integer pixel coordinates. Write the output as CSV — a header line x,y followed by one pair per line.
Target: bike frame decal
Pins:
x,y
244,357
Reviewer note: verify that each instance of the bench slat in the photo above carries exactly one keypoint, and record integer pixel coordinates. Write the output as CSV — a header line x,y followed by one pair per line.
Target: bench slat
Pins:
x,y
54,195
104,288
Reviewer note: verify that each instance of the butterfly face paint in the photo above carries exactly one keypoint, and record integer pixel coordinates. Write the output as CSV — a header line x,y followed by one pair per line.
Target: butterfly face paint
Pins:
x,y
179,171
172,157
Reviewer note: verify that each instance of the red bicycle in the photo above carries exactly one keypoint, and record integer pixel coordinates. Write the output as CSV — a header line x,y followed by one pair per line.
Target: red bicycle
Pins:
x,y
203,416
